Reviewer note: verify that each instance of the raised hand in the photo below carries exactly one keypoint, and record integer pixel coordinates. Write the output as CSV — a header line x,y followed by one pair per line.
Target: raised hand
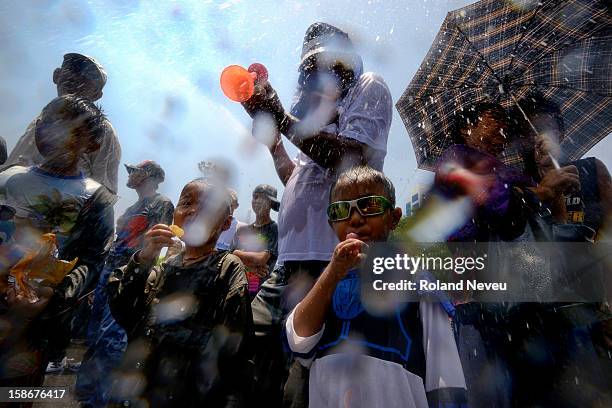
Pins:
x,y
155,239
23,307
265,100
347,255
556,182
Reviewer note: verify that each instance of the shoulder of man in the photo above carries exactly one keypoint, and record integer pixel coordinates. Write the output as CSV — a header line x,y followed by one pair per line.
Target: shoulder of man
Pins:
x,y
99,195
111,132
11,171
25,146
370,93
242,227
372,82
11,178
270,227
110,144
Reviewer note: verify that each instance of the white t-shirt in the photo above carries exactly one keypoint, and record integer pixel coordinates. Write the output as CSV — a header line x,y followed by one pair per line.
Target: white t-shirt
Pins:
x,y
351,377
303,232
45,202
101,165
227,237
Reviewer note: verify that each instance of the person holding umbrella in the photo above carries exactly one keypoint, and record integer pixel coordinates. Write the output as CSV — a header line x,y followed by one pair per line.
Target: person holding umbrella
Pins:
x,y
256,244
499,52
591,203
466,66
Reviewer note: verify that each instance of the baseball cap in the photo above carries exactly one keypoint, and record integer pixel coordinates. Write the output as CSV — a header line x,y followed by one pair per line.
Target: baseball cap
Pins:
x,y
269,192
150,167
325,40
86,66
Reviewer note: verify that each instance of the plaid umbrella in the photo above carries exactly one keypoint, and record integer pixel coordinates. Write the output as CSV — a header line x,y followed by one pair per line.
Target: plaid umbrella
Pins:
x,y
502,50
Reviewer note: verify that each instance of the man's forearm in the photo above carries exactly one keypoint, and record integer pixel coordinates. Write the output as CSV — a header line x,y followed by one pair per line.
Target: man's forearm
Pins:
x,y
324,148
253,259
282,163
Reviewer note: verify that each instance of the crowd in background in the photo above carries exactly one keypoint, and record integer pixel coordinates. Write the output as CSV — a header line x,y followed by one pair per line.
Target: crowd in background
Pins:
x,y
181,304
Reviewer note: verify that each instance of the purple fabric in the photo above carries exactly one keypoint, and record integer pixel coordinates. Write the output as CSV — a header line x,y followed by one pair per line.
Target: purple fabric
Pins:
x,y
499,205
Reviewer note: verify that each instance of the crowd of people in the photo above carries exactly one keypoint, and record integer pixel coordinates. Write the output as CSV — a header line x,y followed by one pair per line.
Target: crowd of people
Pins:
x,y
183,305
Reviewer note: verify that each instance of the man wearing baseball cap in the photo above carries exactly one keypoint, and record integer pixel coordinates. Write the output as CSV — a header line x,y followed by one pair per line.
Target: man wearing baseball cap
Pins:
x,y
83,76
106,339
340,117
257,244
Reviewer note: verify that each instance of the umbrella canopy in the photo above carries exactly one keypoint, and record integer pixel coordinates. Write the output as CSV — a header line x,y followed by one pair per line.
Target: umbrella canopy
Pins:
x,y
500,51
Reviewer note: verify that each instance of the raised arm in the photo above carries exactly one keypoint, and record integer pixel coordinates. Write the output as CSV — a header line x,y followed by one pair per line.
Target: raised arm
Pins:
x,y
310,313
126,285
253,259
326,149
365,122
282,163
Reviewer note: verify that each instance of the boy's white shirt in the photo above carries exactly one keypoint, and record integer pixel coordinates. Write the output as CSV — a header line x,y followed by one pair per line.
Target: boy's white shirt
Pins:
x,y
224,242
383,382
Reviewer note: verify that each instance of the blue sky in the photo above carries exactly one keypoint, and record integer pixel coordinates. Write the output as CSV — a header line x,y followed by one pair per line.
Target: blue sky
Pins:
x,y
163,60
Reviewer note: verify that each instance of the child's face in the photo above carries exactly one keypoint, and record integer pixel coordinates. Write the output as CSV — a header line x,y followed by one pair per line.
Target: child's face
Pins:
x,y
201,213
261,204
371,228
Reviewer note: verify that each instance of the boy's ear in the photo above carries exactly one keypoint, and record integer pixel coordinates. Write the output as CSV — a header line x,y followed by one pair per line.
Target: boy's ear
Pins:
x,y
396,216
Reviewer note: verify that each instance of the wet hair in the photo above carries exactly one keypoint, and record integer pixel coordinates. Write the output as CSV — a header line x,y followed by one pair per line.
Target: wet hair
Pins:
x,y
364,175
222,193
74,110
469,117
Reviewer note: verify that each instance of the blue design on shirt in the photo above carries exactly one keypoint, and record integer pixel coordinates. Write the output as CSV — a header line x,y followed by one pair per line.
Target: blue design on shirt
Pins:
x,y
347,297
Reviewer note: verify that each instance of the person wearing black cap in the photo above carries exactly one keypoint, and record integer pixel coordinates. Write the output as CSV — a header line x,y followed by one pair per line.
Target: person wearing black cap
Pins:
x,y
256,244
83,76
106,339
340,117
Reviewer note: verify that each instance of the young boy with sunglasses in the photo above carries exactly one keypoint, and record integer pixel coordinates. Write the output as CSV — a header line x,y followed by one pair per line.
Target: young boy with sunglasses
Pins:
x,y
406,359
